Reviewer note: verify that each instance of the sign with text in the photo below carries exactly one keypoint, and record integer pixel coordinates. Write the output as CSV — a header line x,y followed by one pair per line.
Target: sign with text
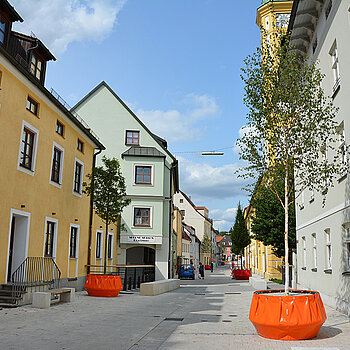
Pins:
x,y
141,239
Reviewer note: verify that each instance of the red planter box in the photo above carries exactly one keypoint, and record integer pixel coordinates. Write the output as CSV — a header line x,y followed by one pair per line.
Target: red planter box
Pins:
x,y
242,274
287,317
103,285
207,267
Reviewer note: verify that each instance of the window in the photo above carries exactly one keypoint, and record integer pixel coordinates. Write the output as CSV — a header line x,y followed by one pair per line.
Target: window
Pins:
x,y
49,239
59,128
32,106
267,23
2,30
78,177
27,147
143,174
142,217
312,194
314,250
132,137
335,68
328,249
73,242
183,213
328,9
36,67
302,199
342,145
181,200
304,250
57,165
80,146
347,247
110,246
98,244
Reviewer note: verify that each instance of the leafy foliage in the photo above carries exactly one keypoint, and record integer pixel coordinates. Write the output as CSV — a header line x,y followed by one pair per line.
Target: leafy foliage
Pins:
x,y
239,234
268,220
206,245
108,191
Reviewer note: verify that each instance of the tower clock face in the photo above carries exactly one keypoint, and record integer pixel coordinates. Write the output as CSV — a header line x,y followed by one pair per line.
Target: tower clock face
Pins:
x,y
282,19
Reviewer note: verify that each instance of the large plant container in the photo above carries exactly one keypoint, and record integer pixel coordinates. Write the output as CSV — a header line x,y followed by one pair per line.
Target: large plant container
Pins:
x,y
242,274
296,316
103,285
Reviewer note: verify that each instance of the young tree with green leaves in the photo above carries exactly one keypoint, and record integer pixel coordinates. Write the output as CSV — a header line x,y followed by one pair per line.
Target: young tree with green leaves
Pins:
x,y
239,234
108,191
268,219
206,245
291,131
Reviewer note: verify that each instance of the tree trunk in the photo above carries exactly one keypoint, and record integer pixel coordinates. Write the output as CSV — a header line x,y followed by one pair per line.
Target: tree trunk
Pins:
x,y
105,257
286,288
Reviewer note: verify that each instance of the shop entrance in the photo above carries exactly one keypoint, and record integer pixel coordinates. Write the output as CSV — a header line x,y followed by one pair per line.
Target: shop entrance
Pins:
x,y
140,256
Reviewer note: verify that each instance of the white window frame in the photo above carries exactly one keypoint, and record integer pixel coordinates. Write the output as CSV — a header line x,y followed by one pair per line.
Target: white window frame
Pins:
x,y
302,200
312,194
150,216
76,258
267,23
77,160
327,232
101,245
54,250
134,174
303,240
335,65
35,148
112,257
58,185
342,145
347,246
314,250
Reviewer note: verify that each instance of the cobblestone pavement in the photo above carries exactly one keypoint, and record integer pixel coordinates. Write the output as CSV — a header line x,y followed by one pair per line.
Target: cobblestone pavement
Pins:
x,y
202,314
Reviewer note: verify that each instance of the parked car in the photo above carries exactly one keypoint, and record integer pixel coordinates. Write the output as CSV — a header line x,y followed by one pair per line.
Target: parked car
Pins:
x,y
186,271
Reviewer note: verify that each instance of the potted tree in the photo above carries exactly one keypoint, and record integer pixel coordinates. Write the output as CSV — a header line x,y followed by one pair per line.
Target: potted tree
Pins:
x,y
240,239
288,142
108,191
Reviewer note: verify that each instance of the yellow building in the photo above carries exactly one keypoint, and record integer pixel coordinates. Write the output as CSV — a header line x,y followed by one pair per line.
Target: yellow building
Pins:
x,y
272,17
45,154
177,229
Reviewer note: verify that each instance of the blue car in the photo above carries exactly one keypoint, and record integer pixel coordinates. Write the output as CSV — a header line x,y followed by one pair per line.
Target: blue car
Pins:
x,y
186,271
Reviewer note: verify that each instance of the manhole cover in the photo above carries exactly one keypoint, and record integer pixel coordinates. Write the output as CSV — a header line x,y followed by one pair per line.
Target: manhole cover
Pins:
x,y
179,319
218,315
199,293
204,320
232,315
226,321
232,293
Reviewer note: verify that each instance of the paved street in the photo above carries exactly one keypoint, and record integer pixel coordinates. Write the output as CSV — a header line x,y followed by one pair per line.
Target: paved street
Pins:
x,y
211,314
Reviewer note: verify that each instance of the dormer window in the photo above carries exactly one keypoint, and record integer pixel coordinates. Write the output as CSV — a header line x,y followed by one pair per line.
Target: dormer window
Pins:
x,y
36,67
132,138
2,30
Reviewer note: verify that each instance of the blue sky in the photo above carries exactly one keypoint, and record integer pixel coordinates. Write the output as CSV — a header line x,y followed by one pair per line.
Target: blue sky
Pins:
x,y
176,63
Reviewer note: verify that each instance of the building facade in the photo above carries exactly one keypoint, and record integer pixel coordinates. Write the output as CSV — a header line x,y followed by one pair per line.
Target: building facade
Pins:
x,y
321,31
151,176
45,155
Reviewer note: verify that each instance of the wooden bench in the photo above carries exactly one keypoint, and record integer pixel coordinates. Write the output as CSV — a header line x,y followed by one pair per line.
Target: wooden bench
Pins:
x,y
42,300
159,287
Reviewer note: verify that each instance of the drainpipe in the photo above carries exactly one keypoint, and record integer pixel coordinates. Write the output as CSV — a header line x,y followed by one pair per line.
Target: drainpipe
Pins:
x,y
91,212
170,223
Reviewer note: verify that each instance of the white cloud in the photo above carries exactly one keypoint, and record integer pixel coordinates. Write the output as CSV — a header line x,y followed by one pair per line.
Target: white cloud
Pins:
x,y
60,22
223,219
174,125
208,182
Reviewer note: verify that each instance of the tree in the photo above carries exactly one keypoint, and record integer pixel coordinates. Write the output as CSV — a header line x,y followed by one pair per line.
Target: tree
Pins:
x,y
108,190
291,131
206,245
239,234
268,220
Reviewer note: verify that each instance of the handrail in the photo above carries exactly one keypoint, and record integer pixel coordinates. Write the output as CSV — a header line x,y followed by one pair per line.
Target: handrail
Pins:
x,y
121,265
38,272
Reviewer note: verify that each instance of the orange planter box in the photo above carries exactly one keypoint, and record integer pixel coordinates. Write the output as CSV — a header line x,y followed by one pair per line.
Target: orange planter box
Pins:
x,y
287,317
242,274
103,285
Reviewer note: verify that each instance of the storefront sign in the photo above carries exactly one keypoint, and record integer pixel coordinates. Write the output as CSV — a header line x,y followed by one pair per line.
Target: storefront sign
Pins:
x,y
141,239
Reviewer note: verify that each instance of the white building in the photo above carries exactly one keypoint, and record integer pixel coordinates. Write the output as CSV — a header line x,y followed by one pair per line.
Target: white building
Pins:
x,y
194,245
321,30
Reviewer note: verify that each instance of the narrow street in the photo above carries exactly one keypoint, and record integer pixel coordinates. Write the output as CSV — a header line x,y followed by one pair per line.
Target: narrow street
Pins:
x,y
202,314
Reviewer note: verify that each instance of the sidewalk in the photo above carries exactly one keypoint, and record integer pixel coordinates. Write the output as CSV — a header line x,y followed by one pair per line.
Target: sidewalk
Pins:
x,y
202,314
